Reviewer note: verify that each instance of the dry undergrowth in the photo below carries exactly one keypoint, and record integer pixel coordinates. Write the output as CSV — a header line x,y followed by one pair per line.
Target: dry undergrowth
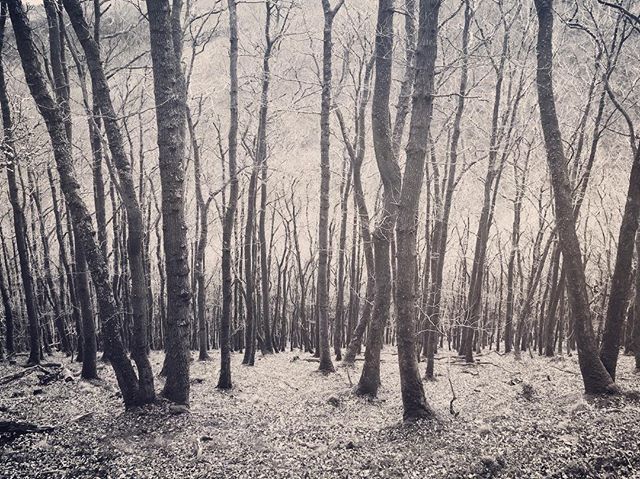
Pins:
x,y
283,419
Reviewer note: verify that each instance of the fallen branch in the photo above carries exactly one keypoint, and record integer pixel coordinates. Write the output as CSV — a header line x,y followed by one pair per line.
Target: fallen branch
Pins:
x,y
22,427
20,374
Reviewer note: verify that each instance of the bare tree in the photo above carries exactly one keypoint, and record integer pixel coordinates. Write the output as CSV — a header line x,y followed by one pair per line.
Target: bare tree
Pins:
x,y
595,377
326,364
224,382
413,398
170,98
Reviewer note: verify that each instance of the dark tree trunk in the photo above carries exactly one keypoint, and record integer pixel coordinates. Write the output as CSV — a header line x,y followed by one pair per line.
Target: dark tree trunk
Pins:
x,y
636,311
441,222
170,99
8,314
356,155
391,180
413,398
621,280
224,382
249,277
201,244
557,289
261,160
135,222
322,288
340,279
595,377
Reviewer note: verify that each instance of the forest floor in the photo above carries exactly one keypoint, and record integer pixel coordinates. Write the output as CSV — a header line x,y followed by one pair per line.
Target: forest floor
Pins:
x,y
283,419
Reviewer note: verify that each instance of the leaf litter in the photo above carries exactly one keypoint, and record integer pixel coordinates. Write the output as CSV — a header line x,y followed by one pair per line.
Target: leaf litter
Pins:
x,y
282,419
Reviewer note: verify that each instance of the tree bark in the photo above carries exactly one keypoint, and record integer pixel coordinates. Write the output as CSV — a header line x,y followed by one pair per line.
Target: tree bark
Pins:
x,y
413,398
595,377
636,311
621,280
135,222
224,382
322,291
441,222
170,99
391,180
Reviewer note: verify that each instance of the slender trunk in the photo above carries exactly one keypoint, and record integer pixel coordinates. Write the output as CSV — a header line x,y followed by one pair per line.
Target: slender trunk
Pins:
x,y
249,277
636,310
413,398
224,382
322,288
8,315
441,223
621,280
135,239
357,157
391,180
595,376
340,279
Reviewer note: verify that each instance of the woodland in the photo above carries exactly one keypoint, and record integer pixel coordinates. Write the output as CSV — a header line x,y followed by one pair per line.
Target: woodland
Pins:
x,y
319,238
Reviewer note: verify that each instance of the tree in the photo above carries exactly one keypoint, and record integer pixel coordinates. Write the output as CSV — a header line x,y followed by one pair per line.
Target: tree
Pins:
x,y
326,364
356,151
135,223
170,98
391,178
413,398
224,382
636,310
595,377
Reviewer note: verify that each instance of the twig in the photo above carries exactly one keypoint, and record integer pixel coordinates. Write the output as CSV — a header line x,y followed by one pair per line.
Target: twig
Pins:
x,y
564,370
453,412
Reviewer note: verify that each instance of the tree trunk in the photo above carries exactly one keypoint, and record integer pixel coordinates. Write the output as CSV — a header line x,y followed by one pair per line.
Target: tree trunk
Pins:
x,y
441,223
135,239
595,377
8,315
340,279
391,181
170,99
413,398
636,311
357,157
621,280
249,276
322,288
224,382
